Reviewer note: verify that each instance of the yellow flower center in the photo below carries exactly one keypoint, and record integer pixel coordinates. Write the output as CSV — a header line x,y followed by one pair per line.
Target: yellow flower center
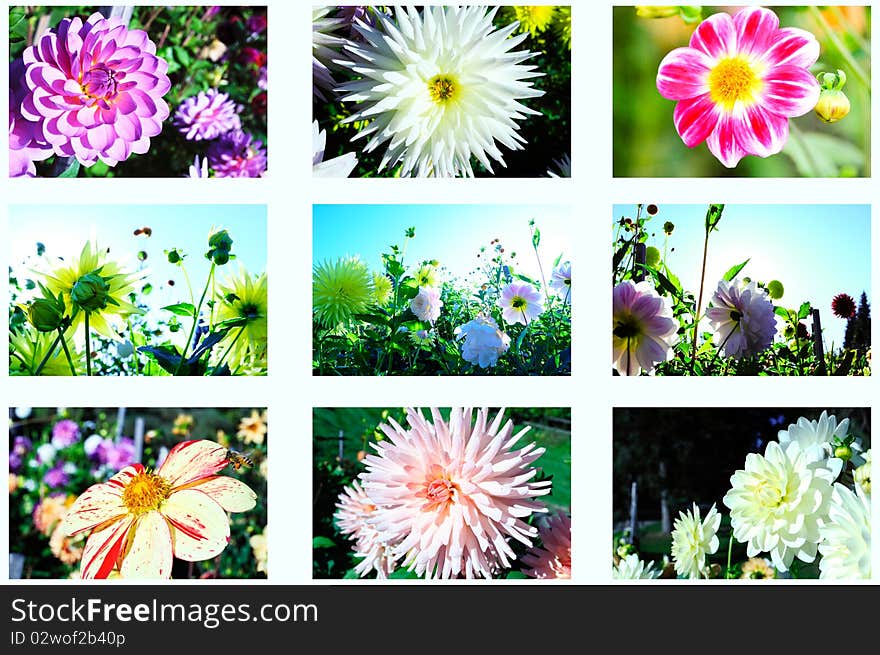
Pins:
x,y
518,302
768,495
145,493
443,89
734,79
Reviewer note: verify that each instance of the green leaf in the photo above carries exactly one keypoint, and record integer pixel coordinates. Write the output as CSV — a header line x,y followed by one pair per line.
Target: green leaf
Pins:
x,y
526,278
713,216
182,309
804,310
165,356
782,311
516,575
733,271
816,154
619,255
182,56
519,339
536,238
557,260
373,319
229,323
72,169
322,542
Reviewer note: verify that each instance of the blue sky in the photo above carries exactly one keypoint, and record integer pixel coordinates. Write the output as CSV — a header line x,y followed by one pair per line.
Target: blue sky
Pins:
x,y
452,234
816,251
64,229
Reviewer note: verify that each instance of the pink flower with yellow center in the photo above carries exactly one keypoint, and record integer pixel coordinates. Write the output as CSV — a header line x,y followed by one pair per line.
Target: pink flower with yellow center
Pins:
x,y
738,82
141,520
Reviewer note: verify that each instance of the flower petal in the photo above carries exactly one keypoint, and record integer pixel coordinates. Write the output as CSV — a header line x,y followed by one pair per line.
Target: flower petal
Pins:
x,y
725,141
763,133
755,29
192,460
231,494
682,74
790,90
103,548
792,46
716,36
199,526
99,503
149,555
695,118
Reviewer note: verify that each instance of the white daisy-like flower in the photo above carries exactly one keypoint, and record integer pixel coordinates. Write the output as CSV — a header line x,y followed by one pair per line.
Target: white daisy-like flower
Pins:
x,y
845,543
693,539
520,302
779,501
561,167
815,437
440,86
742,318
325,48
560,281
341,166
483,343
632,568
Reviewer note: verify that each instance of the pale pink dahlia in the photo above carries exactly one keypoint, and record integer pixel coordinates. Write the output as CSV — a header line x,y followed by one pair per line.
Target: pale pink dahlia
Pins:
x,y
643,329
553,558
353,509
26,142
738,82
207,115
451,494
95,89
520,302
742,318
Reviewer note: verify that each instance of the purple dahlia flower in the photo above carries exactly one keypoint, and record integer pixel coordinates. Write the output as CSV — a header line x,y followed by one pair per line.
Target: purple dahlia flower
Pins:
x,y
65,433
26,142
116,455
56,477
95,89
237,154
206,116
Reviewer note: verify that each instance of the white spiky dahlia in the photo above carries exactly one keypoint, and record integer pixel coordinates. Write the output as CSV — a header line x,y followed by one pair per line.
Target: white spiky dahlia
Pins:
x,y
325,48
815,438
439,86
694,539
846,536
779,501
632,568
352,511
451,494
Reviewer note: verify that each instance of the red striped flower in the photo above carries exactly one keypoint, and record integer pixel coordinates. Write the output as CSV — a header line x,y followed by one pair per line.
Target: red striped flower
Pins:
x,y
140,520
738,82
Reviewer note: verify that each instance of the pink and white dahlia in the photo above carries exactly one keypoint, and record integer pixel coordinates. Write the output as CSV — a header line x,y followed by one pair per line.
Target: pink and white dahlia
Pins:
x,y
643,329
450,495
95,89
353,510
553,558
207,115
560,281
483,343
520,302
427,304
26,142
738,82
742,318
141,520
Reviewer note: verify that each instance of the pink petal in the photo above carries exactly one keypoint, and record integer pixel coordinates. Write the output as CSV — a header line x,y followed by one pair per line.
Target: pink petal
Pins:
x,y
682,74
231,494
103,548
199,526
755,28
716,36
150,553
792,46
192,460
790,90
695,118
761,132
723,141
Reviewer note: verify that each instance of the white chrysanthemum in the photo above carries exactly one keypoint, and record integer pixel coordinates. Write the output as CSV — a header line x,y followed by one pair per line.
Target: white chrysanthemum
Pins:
x,y
561,167
483,343
440,86
693,540
450,495
325,48
353,509
778,502
632,568
846,536
742,318
815,437
560,281
341,166
862,475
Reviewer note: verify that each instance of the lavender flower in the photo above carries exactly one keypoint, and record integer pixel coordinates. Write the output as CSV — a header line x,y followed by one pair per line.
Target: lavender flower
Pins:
x,y
237,154
56,476
116,455
206,116
65,433
26,142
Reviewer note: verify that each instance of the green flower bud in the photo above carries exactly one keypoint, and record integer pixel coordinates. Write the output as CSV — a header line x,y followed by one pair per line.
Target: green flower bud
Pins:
x,y
832,105
90,292
219,244
843,452
668,227
174,257
45,314
652,256
775,289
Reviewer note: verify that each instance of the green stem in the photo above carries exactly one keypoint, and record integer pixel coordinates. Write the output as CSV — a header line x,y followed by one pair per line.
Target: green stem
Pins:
x,y
66,351
192,296
856,68
88,348
220,363
723,343
699,303
48,355
195,319
729,554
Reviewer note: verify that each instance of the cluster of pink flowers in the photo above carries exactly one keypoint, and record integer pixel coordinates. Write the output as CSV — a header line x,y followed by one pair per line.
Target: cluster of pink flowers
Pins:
x,y
91,90
447,498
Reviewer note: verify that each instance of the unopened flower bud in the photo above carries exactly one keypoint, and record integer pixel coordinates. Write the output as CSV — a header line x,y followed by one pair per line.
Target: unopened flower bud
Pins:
x,y
648,11
174,256
775,289
833,103
90,292
668,227
220,245
46,315
862,475
843,452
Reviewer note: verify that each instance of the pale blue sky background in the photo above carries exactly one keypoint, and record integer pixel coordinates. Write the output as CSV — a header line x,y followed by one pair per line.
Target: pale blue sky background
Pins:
x,y
451,234
816,251
64,229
